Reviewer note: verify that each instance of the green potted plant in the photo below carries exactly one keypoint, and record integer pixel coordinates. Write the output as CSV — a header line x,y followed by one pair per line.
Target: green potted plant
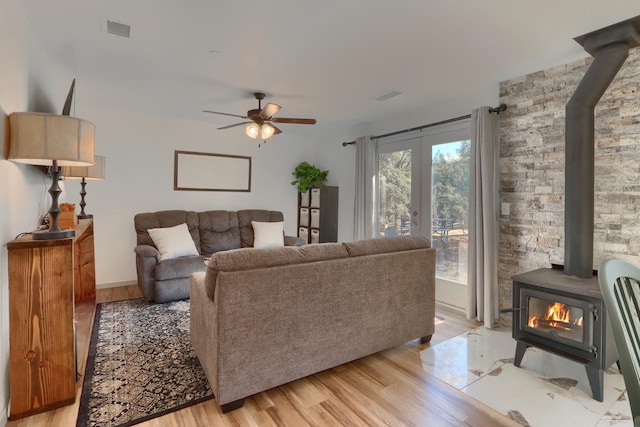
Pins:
x,y
308,176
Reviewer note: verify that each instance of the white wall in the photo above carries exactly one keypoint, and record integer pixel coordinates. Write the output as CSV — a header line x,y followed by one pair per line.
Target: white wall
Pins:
x,y
340,162
140,149
30,82
140,157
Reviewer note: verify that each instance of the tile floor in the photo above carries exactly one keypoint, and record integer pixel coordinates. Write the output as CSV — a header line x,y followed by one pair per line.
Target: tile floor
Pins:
x,y
547,390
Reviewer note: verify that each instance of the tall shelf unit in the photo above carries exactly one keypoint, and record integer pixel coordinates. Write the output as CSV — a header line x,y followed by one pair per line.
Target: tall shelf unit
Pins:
x,y
318,215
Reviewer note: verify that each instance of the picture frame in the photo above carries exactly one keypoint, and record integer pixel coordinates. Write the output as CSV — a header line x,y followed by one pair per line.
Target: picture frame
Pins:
x,y
198,171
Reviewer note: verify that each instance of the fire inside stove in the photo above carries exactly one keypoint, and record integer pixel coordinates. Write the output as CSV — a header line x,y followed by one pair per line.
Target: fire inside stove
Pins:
x,y
555,317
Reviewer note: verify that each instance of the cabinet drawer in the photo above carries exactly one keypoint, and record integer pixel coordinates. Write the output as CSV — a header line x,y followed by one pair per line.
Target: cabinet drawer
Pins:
x,y
315,218
315,197
304,199
303,233
304,217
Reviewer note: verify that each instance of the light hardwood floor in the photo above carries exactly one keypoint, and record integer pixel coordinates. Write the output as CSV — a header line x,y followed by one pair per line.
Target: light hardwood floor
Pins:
x,y
389,388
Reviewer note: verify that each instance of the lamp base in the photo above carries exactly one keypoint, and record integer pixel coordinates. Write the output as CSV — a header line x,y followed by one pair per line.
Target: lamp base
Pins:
x,y
51,235
85,216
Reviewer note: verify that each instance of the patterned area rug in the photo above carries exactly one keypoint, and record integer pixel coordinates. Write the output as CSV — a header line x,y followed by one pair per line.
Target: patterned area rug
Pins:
x,y
141,364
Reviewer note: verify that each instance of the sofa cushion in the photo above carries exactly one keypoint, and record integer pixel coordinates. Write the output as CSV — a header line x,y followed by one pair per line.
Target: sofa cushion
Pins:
x,y
178,268
267,234
173,242
218,231
144,221
386,244
244,221
253,258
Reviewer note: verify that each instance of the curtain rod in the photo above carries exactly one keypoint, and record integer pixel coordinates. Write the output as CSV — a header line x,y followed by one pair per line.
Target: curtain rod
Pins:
x,y
497,110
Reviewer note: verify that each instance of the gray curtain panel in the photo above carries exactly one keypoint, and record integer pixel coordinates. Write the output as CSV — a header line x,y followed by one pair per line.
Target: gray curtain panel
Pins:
x,y
366,188
482,287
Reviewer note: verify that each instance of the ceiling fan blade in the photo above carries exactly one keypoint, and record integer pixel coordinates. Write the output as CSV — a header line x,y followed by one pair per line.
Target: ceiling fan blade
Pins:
x,y
234,125
276,130
269,110
225,114
294,120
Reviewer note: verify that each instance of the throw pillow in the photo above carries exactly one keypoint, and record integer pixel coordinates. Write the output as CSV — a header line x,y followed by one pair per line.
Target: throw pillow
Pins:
x,y
267,234
173,242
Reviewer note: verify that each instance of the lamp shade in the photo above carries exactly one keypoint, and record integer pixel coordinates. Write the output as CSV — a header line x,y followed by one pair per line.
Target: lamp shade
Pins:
x,y
266,131
40,138
253,130
97,171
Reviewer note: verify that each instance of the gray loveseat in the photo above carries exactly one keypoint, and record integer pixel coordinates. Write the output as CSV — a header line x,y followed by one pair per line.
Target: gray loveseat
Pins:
x,y
264,317
211,231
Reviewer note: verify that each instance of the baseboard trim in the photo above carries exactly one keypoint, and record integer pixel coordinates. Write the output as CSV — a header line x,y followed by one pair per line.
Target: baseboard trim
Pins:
x,y
115,284
452,307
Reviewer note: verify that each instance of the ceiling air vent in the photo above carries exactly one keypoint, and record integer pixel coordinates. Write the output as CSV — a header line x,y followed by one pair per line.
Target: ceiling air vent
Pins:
x,y
118,29
387,95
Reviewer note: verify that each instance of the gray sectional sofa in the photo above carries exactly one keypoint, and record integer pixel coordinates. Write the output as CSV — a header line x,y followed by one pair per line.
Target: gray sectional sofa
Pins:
x,y
264,317
211,231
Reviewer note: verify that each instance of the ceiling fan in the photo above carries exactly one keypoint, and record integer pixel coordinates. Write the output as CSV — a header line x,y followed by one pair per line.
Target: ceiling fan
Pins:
x,y
261,119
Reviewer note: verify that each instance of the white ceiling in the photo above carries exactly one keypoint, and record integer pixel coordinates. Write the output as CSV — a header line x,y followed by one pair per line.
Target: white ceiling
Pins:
x,y
323,59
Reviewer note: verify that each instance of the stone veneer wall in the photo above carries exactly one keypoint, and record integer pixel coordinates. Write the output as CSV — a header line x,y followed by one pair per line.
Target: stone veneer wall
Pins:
x,y
532,170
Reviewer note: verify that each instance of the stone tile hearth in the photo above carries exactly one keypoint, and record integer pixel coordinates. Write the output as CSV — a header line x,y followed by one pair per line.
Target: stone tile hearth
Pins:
x,y
546,390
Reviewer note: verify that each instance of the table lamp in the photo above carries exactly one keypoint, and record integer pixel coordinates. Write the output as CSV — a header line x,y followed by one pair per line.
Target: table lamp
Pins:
x,y
97,171
51,140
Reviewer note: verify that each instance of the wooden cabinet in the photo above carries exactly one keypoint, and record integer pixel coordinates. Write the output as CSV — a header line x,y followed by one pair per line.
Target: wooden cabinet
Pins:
x,y
41,318
318,215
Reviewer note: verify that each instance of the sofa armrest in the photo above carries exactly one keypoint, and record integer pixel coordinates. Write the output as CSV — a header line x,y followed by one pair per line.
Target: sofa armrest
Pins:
x,y
293,241
147,251
147,257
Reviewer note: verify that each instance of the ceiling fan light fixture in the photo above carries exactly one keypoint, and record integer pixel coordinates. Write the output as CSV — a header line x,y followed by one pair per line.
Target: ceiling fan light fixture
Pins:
x,y
252,130
267,131
262,118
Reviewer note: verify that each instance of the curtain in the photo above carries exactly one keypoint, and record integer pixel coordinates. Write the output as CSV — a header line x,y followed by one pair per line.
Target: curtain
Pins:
x,y
482,286
365,194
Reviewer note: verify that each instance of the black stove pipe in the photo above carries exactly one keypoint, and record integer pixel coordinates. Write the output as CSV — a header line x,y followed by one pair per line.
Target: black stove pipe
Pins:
x,y
610,48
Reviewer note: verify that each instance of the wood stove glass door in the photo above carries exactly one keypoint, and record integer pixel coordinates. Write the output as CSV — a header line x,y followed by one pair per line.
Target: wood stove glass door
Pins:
x,y
557,318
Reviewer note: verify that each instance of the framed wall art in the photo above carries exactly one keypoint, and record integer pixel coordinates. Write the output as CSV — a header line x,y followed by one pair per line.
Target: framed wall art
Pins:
x,y
195,171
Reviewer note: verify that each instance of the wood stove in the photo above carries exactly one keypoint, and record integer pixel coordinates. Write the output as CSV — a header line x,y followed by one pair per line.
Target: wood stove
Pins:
x,y
561,310
564,315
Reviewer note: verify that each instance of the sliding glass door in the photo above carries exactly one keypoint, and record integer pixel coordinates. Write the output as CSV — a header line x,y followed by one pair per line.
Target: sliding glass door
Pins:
x,y
450,163
424,190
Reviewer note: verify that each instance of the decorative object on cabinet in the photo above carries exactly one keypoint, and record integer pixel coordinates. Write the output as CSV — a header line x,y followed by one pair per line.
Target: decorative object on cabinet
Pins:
x,y
67,219
95,172
51,140
308,176
318,215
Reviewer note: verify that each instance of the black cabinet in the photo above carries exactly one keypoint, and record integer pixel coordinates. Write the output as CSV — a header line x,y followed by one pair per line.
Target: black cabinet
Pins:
x,y
318,215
